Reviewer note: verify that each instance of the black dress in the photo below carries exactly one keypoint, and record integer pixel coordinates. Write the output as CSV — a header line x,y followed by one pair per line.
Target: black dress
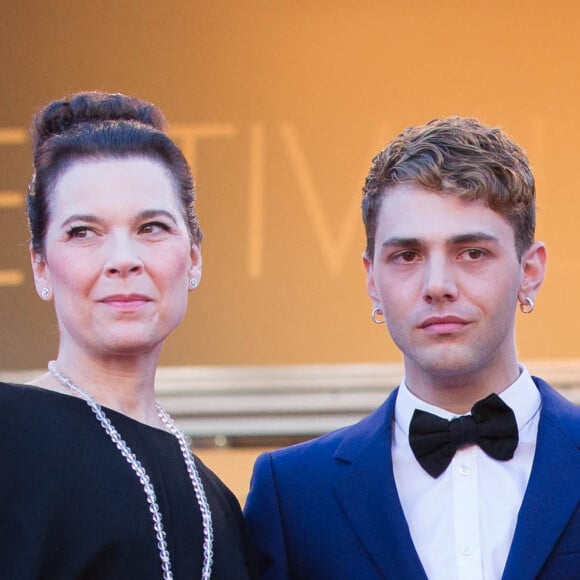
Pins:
x,y
71,507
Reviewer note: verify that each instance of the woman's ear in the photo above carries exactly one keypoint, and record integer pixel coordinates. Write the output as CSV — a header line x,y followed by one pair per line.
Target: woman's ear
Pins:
x,y
41,273
195,267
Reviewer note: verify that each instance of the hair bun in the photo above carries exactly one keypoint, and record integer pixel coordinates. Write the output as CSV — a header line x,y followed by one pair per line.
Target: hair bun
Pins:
x,y
93,107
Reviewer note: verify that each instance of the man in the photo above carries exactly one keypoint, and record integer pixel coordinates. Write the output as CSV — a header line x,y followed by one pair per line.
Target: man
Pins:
x,y
471,468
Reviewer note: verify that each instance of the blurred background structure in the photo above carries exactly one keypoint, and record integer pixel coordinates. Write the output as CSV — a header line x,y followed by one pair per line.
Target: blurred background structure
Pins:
x,y
279,107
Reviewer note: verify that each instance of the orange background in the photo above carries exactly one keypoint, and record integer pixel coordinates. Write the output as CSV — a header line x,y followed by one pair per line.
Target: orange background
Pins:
x,y
279,107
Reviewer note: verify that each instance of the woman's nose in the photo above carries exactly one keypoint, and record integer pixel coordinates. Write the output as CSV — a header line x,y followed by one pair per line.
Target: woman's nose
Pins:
x,y
123,256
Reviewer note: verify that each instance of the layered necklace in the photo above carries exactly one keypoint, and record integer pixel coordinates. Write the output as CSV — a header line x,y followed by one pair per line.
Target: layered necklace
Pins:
x,y
145,480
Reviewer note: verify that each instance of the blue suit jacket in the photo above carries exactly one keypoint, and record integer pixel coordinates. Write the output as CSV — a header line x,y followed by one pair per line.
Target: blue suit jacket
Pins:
x,y
328,509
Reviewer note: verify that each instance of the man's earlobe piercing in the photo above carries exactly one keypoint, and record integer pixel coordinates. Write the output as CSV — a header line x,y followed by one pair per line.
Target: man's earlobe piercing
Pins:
x,y
377,312
45,293
193,283
528,306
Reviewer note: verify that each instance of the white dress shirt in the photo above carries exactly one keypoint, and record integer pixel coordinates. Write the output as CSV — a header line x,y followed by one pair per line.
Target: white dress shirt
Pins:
x,y
462,523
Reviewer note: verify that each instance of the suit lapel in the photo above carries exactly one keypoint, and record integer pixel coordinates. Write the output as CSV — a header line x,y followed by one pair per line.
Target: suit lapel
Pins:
x,y
366,491
552,494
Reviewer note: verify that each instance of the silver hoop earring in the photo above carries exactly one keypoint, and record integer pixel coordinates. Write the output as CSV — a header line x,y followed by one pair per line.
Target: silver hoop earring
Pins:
x,y
193,283
45,293
528,306
377,310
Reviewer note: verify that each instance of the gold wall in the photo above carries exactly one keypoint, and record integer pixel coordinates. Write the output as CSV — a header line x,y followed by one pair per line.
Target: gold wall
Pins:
x,y
234,466
279,107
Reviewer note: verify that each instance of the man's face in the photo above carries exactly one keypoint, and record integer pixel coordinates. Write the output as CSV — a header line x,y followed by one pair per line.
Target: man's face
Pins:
x,y
447,277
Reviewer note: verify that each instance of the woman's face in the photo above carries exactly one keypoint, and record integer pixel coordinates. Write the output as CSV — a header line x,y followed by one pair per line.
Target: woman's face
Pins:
x,y
118,256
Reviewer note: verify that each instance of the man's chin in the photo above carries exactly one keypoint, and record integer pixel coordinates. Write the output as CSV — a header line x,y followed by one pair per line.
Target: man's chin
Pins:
x,y
448,363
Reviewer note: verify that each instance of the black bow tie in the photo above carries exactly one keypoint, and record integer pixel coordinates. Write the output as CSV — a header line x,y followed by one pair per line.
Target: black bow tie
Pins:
x,y
492,425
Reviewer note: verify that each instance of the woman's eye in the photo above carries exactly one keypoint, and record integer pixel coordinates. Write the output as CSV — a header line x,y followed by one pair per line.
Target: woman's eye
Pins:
x,y
154,228
80,232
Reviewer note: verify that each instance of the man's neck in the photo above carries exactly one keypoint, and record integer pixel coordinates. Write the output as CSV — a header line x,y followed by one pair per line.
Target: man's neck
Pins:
x,y
457,393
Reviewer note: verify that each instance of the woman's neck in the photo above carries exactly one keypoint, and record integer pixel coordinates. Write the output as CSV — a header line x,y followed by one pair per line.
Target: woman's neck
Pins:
x,y
124,384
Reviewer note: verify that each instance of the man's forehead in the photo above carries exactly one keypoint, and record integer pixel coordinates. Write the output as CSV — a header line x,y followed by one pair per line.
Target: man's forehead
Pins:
x,y
414,212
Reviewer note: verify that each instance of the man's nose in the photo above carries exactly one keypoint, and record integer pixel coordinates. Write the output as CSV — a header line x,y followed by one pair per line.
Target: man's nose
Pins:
x,y
440,283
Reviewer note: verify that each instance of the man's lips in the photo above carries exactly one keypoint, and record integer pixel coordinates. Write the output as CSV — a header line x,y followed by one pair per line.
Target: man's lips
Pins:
x,y
443,324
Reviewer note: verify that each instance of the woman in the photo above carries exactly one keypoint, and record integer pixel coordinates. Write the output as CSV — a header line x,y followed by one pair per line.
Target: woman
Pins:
x,y
97,479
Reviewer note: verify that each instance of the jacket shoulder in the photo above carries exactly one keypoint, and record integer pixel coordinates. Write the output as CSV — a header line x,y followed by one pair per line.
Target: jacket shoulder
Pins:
x,y
558,409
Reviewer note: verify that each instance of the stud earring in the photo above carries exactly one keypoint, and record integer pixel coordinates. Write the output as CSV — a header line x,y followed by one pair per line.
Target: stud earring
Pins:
x,y
45,293
528,306
377,311
193,283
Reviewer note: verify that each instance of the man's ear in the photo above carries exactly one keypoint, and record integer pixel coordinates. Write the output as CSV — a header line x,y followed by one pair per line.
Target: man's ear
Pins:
x,y
371,282
533,270
41,273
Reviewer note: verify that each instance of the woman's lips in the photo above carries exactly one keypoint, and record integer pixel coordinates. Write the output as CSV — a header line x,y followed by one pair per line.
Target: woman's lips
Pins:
x,y
126,302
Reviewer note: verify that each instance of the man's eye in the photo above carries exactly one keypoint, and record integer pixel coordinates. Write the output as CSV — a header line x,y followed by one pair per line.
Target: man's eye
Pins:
x,y
407,256
474,254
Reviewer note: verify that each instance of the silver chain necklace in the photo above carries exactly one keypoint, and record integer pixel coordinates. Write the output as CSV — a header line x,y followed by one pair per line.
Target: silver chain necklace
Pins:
x,y
146,481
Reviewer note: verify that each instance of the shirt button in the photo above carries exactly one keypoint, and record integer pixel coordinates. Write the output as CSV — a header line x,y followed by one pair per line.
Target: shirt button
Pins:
x,y
464,470
467,550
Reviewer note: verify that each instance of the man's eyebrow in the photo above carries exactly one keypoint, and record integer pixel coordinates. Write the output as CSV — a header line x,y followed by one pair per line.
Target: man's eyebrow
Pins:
x,y
396,242
459,240
472,238
469,238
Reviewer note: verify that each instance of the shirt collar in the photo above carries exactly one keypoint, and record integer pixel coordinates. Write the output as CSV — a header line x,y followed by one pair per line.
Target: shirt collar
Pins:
x,y
522,396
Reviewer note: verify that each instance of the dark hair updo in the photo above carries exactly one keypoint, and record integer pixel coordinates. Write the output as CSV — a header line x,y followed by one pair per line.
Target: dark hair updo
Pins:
x,y
95,125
